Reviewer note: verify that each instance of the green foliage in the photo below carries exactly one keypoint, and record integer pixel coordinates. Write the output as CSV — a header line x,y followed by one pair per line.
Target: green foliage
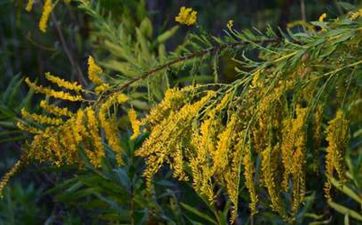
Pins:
x,y
20,205
144,58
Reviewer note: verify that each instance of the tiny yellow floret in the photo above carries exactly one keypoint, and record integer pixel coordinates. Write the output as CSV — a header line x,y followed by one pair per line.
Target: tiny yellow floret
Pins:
x,y
186,16
322,17
230,24
135,123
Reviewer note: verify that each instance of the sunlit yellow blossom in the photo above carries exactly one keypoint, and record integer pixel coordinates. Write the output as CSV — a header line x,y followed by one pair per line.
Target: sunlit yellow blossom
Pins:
x,y
47,10
337,137
173,99
230,24
78,127
27,128
233,172
186,16
204,142
101,88
8,175
52,93
249,171
94,71
164,135
29,5
135,123
110,126
269,163
55,109
355,15
223,145
40,118
98,153
63,83
177,164
322,17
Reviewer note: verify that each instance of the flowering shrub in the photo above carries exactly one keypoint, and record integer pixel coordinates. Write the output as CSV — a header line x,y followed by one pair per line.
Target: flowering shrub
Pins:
x,y
291,114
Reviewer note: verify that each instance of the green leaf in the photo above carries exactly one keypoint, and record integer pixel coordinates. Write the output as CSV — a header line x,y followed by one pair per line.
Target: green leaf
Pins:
x,y
344,210
345,189
167,34
146,27
198,213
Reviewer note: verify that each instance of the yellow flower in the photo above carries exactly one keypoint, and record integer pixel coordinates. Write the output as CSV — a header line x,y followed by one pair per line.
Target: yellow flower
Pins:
x,y
186,16
269,166
55,109
53,93
230,24
101,88
41,118
8,175
337,137
98,153
63,83
249,171
221,154
322,17
135,123
160,145
109,125
94,71
355,15
29,5
47,9
24,127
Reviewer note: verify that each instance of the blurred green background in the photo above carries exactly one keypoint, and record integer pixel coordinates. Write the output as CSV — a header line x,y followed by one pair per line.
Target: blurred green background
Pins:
x,y
64,50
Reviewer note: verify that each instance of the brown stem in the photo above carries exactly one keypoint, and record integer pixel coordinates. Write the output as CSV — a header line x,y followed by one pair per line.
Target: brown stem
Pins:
x,y
202,53
79,72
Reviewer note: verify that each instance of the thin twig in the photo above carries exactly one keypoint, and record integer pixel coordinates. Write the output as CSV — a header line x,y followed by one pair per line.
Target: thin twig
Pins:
x,y
202,53
79,72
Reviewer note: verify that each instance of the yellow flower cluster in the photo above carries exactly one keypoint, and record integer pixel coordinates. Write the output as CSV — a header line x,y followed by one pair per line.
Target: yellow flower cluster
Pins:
x,y
322,17
98,153
269,162
61,142
53,93
355,15
109,125
173,99
24,127
337,137
164,136
47,10
41,119
186,16
215,141
29,5
55,110
94,72
63,83
62,137
8,175
249,172
230,24
293,155
135,123
224,141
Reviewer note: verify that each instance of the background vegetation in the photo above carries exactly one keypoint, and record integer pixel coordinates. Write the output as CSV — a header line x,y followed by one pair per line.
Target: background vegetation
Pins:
x,y
131,38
